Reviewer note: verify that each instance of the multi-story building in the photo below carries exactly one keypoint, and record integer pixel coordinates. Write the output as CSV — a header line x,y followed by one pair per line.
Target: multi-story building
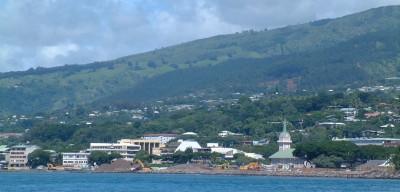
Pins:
x,y
164,138
127,150
153,147
18,156
79,160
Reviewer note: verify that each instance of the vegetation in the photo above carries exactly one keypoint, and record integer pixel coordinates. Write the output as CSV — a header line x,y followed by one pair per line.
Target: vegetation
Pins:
x,y
290,66
39,157
254,119
100,157
396,160
355,49
334,154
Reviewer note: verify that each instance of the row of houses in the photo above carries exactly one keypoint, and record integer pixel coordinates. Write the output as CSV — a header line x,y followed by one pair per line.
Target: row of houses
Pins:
x,y
155,144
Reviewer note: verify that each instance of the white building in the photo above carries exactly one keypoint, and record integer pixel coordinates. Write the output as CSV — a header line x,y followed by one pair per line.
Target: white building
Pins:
x,y
369,141
188,144
350,113
253,155
128,151
228,133
211,145
190,133
227,152
77,160
18,156
153,147
284,157
230,152
164,138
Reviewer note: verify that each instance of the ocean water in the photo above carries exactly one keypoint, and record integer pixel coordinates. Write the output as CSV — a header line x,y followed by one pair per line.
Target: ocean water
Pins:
x,y
90,182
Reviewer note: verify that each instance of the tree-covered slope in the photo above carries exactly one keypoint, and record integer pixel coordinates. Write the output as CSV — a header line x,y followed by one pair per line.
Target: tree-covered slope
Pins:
x,y
330,52
362,59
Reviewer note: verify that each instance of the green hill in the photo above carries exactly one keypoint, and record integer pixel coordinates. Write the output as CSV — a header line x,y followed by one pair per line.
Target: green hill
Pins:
x,y
358,48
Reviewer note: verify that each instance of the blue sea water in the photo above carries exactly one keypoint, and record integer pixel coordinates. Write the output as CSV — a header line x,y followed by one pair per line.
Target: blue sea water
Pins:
x,y
90,182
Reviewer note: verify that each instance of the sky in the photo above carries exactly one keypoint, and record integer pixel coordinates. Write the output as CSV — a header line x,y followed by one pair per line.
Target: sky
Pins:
x,y
50,33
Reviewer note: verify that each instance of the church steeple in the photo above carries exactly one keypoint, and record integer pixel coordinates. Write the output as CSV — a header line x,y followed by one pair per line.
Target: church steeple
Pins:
x,y
284,138
284,125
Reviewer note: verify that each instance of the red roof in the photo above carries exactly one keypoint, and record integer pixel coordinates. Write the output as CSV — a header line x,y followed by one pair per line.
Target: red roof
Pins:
x,y
371,114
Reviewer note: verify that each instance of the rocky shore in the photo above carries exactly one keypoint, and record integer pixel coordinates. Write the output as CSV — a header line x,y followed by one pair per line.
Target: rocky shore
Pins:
x,y
126,167
204,169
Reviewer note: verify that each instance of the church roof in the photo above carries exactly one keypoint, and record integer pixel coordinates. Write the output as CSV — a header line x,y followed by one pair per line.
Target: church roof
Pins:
x,y
283,154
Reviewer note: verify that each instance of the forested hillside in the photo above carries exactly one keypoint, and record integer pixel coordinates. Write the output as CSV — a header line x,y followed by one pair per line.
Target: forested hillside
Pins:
x,y
361,60
355,49
255,120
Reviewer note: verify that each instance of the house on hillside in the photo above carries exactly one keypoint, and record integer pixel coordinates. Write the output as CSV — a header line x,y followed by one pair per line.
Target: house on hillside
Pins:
x,y
368,115
349,113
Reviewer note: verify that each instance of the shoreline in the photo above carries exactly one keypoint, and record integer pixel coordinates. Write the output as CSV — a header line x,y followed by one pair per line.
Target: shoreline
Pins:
x,y
371,175
193,169
309,172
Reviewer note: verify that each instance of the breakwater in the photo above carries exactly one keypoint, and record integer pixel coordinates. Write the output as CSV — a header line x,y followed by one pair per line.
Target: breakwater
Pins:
x,y
314,172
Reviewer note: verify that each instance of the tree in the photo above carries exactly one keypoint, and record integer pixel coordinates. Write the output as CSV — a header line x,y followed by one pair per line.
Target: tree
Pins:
x,y
98,157
189,154
328,162
113,156
38,157
183,157
151,64
327,153
241,159
307,150
143,156
396,160
372,152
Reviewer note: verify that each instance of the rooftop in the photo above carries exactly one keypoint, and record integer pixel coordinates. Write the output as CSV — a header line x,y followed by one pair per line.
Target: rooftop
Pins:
x,y
283,154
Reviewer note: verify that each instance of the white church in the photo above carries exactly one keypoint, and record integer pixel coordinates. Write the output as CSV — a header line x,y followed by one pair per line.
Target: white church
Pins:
x,y
284,157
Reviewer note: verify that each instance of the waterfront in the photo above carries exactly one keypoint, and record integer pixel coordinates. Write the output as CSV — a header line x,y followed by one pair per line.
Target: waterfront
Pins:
x,y
65,181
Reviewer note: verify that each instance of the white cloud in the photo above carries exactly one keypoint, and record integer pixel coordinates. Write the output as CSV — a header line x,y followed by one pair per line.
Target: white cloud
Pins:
x,y
57,32
51,52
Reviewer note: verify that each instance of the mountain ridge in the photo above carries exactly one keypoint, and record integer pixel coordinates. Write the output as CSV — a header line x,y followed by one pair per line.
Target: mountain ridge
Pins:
x,y
69,86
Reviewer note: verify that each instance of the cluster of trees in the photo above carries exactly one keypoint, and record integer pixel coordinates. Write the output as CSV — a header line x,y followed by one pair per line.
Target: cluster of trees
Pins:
x,y
334,154
42,157
100,157
340,65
